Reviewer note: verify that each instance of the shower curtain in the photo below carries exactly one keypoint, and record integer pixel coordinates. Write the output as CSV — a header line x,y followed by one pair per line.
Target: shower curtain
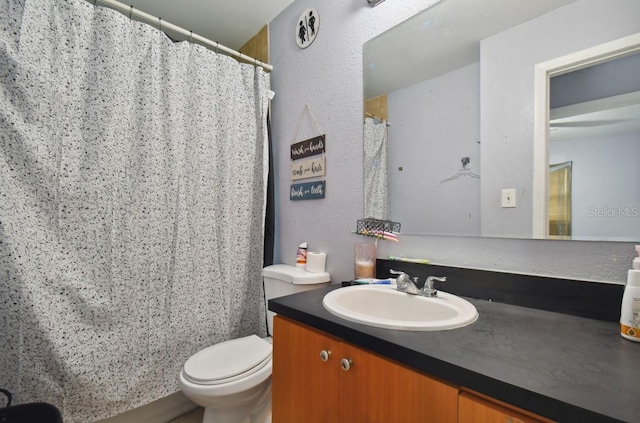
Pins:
x,y
132,197
376,182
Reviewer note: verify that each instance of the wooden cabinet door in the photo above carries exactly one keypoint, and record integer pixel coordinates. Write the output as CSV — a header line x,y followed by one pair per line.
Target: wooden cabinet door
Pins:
x,y
375,389
474,409
305,388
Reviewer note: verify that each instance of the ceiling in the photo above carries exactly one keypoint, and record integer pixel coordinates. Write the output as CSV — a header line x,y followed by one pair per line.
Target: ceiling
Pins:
x,y
230,22
440,39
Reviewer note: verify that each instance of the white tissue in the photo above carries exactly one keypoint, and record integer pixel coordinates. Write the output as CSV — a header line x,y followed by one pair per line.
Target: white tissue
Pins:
x,y
316,261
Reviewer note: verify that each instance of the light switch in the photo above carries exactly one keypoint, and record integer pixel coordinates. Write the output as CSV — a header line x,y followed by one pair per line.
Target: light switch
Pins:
x,y
508,197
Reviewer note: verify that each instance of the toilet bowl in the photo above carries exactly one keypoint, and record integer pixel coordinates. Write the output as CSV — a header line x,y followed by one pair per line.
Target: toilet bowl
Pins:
x,y
232,379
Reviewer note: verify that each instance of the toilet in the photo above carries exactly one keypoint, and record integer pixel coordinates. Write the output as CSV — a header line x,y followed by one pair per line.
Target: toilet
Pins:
x,y
232,379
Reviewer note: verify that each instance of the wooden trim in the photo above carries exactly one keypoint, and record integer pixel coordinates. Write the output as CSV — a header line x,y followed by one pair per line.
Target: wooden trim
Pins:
x,y
258,45
377,107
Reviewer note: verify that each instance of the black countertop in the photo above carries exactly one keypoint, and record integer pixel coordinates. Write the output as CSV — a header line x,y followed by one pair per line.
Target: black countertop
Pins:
x,y
563,367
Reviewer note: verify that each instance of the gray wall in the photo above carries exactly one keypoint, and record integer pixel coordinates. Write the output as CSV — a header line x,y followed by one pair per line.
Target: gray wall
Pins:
x,y
601,206
433,125
608,79
328,77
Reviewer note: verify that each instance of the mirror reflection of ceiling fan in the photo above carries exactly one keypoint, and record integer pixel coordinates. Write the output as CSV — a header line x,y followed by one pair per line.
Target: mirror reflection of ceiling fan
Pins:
x,y
566,123
609,115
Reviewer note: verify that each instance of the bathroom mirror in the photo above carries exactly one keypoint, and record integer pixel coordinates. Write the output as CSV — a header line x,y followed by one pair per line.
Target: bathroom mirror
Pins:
x,y
460,95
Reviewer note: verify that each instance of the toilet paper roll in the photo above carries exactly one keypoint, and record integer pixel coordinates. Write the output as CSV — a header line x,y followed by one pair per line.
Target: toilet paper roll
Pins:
x,y
316,261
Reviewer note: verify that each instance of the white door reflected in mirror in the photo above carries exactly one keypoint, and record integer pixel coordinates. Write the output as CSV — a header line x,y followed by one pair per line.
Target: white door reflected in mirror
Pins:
x,y
468,90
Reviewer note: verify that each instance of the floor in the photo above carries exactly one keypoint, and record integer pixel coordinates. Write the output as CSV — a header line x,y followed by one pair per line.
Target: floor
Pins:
x,y
193,416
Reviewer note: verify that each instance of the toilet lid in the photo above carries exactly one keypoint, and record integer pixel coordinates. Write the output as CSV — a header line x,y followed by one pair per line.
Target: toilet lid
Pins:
x,y
228,361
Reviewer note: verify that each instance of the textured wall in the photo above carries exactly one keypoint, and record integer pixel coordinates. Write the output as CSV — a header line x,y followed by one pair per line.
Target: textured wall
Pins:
x,y
328,77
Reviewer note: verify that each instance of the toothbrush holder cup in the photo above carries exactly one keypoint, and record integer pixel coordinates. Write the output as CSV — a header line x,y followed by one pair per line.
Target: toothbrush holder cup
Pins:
x,y
365,260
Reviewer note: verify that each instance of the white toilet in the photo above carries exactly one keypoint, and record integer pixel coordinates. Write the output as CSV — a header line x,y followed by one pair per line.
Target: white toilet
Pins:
x,y
232,379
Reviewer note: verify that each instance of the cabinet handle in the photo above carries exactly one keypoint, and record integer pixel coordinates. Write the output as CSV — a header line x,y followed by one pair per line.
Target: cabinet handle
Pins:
x,y
346,364
325,354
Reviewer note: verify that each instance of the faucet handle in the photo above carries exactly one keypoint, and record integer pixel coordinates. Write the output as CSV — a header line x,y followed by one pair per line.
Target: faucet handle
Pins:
x,y
402,278
428,289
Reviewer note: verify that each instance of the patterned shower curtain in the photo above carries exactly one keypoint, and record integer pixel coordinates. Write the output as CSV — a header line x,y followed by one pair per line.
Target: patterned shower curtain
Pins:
x,y
376,180
132,198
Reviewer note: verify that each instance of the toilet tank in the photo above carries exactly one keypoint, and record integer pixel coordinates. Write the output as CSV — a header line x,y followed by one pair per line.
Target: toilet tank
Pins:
x,y
284,279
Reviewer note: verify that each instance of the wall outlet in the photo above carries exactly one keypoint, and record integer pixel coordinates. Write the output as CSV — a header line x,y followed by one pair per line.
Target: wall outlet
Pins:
x,y
508,197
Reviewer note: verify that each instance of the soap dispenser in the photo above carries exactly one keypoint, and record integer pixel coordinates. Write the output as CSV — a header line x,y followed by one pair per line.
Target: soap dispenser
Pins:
x,y
630,312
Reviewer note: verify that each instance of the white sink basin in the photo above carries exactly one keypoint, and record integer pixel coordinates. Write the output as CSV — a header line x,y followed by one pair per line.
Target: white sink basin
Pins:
x,y
382,306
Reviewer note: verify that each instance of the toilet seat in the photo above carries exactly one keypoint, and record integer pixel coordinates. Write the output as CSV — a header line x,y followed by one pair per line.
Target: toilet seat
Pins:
x,y
228,361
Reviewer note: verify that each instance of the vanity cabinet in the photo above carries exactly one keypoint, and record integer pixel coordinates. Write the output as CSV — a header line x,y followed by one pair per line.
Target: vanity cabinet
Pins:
x,y
304,388
476,409
319,378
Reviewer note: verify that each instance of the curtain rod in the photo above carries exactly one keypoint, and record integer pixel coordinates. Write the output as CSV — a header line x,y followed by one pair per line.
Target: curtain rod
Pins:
x,y
371,115
162,24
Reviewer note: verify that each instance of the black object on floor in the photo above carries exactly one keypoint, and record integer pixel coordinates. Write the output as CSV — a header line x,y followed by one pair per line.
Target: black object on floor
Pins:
x,y
37,412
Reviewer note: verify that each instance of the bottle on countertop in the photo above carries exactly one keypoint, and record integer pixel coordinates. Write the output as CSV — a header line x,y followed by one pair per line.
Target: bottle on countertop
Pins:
x,y
301,255
630,312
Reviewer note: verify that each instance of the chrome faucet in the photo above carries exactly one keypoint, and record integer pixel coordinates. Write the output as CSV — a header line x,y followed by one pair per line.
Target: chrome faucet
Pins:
x,y
405,284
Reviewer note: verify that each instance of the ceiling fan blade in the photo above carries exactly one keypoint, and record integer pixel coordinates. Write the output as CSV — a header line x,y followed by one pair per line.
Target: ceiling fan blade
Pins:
x,y
586,124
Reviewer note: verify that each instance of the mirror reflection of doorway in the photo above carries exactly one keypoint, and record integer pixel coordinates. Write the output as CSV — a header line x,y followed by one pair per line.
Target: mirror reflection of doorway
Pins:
x,y
593,121
594,126
560,201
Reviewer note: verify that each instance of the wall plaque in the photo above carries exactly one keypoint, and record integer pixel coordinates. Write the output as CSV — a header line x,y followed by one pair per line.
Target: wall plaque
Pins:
x,y
307,191
307,27
307,148
303,169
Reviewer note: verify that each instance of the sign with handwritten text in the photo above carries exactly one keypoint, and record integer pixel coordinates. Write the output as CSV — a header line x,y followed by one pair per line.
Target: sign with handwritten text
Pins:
x,y
307,191
303,169
306,148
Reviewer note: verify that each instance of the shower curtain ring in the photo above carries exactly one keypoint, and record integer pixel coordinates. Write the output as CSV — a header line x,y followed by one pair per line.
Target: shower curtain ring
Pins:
x,y
191,37
160,23
131,12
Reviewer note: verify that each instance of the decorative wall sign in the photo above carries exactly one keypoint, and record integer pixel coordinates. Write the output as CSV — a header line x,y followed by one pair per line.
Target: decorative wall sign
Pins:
x,y
307,191
307,27
303,169
310,168
309,147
